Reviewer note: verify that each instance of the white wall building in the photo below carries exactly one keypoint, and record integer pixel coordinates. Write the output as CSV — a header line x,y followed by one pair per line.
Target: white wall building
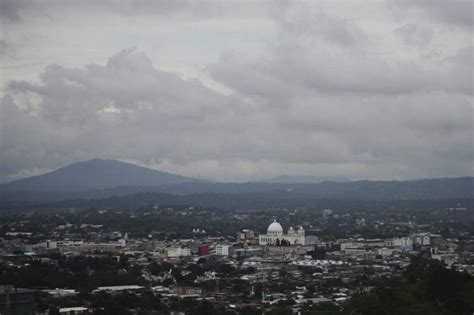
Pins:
x,y
403,243
422,239
275,235
174,252
222,250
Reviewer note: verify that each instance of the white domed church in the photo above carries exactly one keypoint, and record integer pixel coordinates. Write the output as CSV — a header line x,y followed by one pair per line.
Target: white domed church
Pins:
x,y
275,235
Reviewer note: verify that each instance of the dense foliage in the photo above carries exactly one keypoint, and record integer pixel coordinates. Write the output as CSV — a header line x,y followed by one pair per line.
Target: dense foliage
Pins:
x,y
428,287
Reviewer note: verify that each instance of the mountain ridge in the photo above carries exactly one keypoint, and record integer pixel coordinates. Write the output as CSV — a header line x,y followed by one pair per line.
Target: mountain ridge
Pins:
x,y
98,178
95,174
304,179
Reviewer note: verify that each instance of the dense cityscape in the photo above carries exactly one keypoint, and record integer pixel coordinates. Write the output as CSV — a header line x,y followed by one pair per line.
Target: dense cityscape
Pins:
x,y
186,260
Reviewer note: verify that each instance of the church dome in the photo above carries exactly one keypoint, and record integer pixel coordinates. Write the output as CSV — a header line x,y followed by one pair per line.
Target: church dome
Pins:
x,y
274,228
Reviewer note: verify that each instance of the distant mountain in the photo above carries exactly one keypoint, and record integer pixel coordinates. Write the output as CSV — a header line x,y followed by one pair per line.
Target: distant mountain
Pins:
x,y
94,174
423,189
436,188
303,179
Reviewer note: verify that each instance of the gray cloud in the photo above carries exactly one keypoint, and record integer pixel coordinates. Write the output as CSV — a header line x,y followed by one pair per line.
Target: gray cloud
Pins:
x,y
12,10
127,109
327,95
303,61
455,12
415,35
304,23
5,50
9,9
85,111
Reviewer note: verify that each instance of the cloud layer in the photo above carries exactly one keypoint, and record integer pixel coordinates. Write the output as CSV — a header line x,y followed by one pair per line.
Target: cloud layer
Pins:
x,y
326,89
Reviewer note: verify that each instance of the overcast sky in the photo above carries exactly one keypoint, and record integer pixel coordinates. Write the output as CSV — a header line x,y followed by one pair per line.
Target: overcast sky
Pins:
x,y
239,90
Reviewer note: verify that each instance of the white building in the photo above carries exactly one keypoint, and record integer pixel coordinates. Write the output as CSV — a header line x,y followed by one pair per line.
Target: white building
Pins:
x,y
403,243
74,310
351,245
222,250
118,288
422,239
275,235
174,252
